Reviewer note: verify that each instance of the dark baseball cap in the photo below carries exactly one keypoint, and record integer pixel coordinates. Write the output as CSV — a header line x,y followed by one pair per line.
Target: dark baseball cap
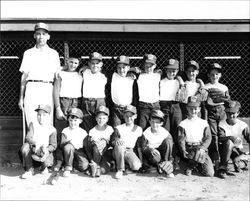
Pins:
x,y
122,60
232,106
193,63
41,25
45,108
95,56
193,101
75,112
172,64
102,109
149,58
157,114
130,108
215,66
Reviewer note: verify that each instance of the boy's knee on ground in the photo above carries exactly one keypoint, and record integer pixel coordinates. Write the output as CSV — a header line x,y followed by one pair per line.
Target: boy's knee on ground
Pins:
x,y
68,147
136,165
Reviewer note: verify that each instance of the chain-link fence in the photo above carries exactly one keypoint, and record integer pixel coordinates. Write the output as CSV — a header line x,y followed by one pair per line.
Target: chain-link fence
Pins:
x,y
232,55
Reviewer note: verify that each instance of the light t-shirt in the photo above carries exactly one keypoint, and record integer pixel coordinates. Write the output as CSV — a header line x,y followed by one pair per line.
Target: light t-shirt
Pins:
x,y
71,84
168,89
234,130
93,84
76,136
219,86
155,139
194,129
148,86
98,135
121,89
129,136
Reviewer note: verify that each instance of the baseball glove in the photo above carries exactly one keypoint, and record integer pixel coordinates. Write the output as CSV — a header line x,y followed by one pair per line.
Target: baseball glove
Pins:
x,y
217,95
202,94
200,156
166,167
38,153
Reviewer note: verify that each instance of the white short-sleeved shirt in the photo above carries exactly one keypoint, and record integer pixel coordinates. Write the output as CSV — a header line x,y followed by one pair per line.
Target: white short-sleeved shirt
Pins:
x,y
93,84
194,129
191,88
155,140
219,86
121,89
148,86
71,84
168,89
129,136
234,130
76,136
98,135
40,64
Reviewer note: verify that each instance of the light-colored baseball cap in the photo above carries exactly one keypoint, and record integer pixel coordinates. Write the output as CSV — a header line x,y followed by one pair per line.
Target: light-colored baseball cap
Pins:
x,y
102,109
172,64
130,108
157,114
95,56
41,25
75,112
45,108
150,58
232,106
122,60
193,101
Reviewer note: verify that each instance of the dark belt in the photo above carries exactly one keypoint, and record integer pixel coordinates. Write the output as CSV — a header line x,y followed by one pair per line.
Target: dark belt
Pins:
x,y
92,99
43,81
120,106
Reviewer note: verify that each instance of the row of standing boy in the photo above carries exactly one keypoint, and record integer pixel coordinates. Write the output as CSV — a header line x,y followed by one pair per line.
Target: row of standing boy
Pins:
x,y
158,97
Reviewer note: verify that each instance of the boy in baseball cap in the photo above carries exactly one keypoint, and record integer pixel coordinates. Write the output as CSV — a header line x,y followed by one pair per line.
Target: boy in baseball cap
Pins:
x,y
98,141
93,90
125,142
40,141
73,141
122,90
231,133
194,138
148,89
157,145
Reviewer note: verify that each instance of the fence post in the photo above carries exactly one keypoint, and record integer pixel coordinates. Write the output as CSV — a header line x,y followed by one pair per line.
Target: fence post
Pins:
x,y
182,56
66,51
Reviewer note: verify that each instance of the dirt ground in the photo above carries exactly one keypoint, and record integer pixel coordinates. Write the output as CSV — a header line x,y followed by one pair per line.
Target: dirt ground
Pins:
x,y
132,186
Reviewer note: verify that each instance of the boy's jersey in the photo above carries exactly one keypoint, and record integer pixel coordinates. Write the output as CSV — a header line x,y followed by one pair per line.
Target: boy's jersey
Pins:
x,y
75,136
40,65
71,84
93,84
219,86
42,133
148,86
191,88
168,89
234,130
194,129
97,135
121,89
155,140
129,136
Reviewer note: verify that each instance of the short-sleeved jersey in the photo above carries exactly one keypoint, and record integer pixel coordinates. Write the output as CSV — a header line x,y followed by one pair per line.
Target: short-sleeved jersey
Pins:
x,y
168,89
148,86
155,139
194,129
98,135
71,84
93,84
121,89
234,130
76,136
191,88
40,64
129,136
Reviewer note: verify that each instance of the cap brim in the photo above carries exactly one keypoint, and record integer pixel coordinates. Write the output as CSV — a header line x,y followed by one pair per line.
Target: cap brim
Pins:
x,y
193,105
150,61
102,112
234,110
96,58
130,111
171,67
42,29
121,62
42,110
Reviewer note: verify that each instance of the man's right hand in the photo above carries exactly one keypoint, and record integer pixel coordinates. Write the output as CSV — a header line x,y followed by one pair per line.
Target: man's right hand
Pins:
x,y
59,114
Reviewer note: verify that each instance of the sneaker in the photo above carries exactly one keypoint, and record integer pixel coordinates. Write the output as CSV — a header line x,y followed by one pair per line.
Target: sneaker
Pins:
x,y
171,175
222,174
188,172
93,167
45,171
27,174
119,174
66,173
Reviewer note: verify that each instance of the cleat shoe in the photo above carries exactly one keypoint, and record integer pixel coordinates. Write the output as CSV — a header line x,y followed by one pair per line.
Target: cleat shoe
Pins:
x,y
119,174
171,175
222,174
66,173
27,174
45,171
93,167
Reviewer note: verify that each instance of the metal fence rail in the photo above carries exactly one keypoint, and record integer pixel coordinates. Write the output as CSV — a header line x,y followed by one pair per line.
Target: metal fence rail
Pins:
x,y
232,55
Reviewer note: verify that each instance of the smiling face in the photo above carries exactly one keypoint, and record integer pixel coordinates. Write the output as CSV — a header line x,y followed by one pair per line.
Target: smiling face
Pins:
x,y
41,36
95,66
43,117
122,69
171,73
149,67
232,117
193,111
74,121
214,76
73,63
129,118
102,119
155,124
191,73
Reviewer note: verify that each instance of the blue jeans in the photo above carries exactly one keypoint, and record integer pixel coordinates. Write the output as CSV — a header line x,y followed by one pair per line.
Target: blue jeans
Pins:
x,y
89,107
118,115
144,111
